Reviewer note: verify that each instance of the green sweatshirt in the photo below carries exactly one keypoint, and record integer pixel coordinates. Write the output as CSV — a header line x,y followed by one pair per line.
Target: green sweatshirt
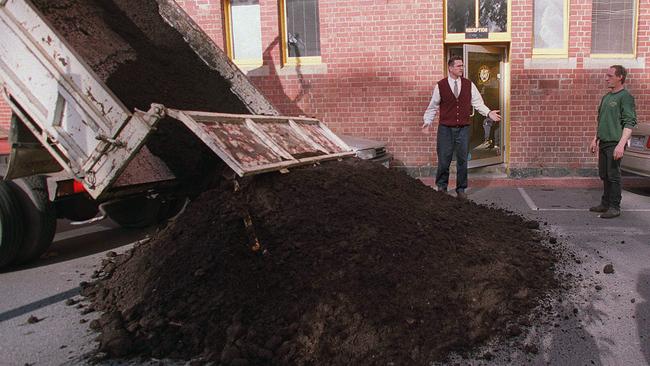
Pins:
x,y
616,112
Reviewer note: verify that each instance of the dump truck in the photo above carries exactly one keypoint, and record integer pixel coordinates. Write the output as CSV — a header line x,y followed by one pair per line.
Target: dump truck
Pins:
x,y
75,149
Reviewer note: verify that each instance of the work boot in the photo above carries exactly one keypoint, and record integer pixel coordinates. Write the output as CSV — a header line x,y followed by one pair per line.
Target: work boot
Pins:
x,y
461,195
611,213
599,208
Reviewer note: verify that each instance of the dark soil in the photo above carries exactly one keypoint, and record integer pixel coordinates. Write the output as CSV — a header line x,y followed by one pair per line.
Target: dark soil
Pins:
x,y
344,263
141,58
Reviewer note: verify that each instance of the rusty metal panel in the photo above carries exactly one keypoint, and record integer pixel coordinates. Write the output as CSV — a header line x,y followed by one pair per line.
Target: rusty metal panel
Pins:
x,y
289,139
242,144
323,137
252,144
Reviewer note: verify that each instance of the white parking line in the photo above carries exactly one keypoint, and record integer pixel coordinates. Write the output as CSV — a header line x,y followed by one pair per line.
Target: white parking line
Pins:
x,y
528,200
531,204
80,232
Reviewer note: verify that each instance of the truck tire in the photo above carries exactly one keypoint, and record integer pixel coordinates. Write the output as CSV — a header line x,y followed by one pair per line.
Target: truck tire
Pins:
x,y
11,225
39,212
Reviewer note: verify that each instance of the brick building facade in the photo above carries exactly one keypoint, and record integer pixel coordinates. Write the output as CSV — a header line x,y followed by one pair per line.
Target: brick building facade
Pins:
x,y
378,61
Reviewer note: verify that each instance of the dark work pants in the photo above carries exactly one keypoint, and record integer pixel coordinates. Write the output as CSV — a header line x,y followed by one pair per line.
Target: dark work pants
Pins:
x,y
452,139
609,171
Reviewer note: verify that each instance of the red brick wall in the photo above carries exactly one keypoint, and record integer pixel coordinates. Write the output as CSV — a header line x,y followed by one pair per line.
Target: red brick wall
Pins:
x,y
382,58
553,111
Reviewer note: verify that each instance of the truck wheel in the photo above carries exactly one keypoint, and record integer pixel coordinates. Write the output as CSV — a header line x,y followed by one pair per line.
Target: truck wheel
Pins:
x,y
11,225
39,212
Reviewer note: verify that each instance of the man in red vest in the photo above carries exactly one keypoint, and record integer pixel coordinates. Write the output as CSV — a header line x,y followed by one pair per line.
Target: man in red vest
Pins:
x,y
454,96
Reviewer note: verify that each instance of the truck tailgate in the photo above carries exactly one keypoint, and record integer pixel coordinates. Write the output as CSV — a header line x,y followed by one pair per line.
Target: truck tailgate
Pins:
x,y
252,144
59,98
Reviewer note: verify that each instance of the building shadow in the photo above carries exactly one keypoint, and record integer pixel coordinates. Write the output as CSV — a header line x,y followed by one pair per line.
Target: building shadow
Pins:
x,y
279,97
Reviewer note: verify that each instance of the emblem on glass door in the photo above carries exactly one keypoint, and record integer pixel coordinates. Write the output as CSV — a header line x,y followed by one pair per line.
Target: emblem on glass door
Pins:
x,y
483,74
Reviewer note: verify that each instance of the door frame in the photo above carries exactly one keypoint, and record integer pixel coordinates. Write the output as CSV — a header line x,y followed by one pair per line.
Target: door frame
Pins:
x,y
504,97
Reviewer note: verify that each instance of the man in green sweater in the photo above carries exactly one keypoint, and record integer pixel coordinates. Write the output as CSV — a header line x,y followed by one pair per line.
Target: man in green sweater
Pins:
x,y
616,119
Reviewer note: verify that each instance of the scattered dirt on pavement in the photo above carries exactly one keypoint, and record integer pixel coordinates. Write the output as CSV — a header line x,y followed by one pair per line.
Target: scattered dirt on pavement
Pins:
x,y
356,264
33,319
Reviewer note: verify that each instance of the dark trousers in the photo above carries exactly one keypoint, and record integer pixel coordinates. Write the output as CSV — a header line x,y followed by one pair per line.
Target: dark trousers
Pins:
x,y
450,140
609,171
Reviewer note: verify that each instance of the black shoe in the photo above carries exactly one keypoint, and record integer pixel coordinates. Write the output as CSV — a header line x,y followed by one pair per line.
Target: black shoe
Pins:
x,y
599,208
461,195
611,213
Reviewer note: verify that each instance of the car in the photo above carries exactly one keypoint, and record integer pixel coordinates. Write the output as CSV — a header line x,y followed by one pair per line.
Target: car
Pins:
x,y
637,156
371,150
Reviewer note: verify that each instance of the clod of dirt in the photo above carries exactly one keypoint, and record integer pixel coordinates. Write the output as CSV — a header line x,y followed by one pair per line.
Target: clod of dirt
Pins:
x,y
608,269
363,263
33,319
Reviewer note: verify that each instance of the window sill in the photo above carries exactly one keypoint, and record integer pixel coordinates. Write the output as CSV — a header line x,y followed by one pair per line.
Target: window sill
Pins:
x,y
313,69
250,70
603,63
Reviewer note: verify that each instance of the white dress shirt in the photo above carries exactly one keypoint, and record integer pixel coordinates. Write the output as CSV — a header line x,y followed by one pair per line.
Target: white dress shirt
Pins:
x,y
434,105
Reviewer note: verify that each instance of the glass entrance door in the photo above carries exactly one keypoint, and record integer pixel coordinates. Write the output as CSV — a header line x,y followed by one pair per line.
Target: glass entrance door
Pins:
x,y
484,66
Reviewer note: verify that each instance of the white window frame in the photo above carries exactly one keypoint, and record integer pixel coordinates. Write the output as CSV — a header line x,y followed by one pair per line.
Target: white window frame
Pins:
x,y
246,62
634,40
554,52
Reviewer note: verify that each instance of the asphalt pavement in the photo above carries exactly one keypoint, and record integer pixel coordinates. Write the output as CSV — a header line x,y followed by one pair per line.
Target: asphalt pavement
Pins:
x,y
604,319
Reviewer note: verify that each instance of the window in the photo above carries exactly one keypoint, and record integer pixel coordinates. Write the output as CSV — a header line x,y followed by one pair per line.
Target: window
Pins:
x,y
461,14
301,31
551,28
613,27
491,14
243,32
